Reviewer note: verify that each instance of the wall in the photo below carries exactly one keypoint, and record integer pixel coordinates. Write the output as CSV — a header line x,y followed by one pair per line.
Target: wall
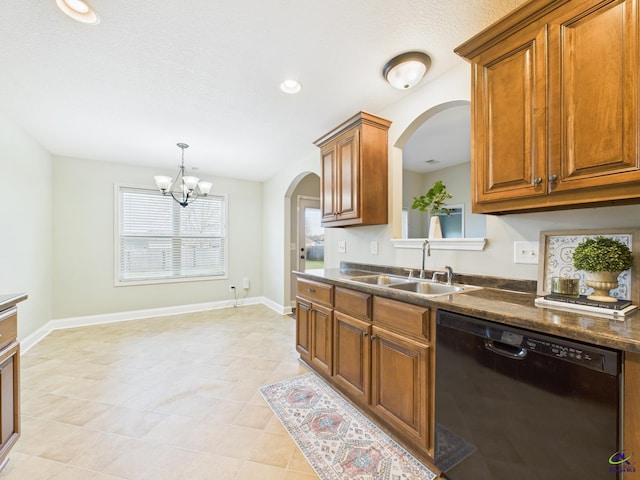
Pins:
x,y
83,236
501,231
276,208
25,210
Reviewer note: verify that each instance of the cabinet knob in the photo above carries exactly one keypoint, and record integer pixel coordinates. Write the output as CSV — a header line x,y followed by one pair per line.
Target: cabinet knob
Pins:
x,y
553,178
311,290
537,181
364,334
373,337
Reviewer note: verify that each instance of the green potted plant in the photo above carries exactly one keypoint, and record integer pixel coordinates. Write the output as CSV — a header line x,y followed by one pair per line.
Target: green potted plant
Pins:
x,y
433,202
602,259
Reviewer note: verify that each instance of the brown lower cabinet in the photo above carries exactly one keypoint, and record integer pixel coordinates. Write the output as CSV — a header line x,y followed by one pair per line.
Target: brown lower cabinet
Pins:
x,y
381,357
399,376
9,381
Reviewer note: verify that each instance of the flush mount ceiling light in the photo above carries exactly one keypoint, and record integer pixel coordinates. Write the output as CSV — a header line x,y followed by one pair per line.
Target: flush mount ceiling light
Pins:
x,y
185,188
406,70
78,10
290,86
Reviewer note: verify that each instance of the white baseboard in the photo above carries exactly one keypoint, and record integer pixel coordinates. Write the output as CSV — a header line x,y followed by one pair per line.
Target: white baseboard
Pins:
x,y
73,322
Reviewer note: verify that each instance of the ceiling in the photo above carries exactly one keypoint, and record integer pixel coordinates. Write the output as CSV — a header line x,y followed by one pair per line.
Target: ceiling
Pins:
x,y
156,72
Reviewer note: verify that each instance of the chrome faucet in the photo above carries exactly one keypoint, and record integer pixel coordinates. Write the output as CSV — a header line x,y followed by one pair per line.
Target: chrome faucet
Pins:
x,y
426,252
448,271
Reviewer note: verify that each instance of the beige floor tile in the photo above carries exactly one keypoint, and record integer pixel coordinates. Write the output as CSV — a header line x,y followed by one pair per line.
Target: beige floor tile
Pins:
x,y
54,441
254,416
23,467
273,449
126,421
164,398
259,471
299,463
292,475
99,455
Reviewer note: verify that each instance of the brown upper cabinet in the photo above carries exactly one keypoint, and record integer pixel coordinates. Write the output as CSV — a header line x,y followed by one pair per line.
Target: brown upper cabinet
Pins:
x,y
354,182
555,104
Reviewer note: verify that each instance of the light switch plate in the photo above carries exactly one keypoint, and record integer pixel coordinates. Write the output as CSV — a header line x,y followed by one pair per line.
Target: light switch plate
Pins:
x,y
374,247
525,252
342,247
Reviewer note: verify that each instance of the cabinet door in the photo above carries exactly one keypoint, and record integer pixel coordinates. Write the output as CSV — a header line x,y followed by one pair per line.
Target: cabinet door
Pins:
x,y
509,105
595,96
9,399
348,175
351,355
399,384
303,328
322,338
328,200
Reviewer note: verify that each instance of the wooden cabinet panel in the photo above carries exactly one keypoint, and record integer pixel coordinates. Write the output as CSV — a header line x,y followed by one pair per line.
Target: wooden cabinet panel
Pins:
x,y
8,326
402,317
328,180
322,339
354,182
352,353
510,101
303,328
595,96
399,384
348,185
315,292
353,303
9,399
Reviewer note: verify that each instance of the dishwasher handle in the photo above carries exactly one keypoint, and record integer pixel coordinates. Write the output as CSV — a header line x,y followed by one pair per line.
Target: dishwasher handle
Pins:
x,y
509,351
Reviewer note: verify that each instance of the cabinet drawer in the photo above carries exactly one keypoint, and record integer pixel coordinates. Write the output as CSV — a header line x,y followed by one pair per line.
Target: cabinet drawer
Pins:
x,y
315,291
353,303
402,317
8,326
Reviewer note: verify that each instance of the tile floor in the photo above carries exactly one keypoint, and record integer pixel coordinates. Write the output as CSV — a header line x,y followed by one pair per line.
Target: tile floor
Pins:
x,y
166,398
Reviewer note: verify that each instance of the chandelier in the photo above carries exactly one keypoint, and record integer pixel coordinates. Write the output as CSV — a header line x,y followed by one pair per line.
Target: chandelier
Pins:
x,y
185,188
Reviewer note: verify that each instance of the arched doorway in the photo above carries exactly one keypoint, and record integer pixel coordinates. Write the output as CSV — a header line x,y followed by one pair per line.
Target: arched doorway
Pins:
x,y
306,237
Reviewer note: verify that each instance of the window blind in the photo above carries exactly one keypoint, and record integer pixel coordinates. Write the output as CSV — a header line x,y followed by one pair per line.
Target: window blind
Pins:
x,y
159,239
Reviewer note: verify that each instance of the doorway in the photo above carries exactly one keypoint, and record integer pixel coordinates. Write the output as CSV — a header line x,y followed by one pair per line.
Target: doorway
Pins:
x,y
310,234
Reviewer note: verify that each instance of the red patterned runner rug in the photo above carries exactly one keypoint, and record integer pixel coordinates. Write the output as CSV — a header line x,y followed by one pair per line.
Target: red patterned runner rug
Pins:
x,y
338,441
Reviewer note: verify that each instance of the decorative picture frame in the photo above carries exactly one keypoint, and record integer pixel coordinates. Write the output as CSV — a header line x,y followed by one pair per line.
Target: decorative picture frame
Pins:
x,y
556,260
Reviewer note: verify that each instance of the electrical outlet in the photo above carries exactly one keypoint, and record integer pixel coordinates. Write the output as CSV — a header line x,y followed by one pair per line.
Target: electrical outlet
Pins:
x,y
525,252
342,247
232,288
245,283
374,248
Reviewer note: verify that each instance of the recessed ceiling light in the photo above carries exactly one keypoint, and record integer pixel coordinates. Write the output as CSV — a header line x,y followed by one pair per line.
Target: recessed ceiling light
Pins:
x,y
290,86
79,10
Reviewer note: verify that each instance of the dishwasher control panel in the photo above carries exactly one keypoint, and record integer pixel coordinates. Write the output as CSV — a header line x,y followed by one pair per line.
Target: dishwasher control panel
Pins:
x,y
572,353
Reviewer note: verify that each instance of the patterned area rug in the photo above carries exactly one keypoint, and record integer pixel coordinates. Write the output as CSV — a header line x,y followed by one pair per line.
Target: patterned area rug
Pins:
x,y
450,449
338,441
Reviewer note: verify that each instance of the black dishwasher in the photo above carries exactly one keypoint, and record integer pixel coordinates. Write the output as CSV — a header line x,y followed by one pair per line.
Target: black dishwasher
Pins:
x,y
516,404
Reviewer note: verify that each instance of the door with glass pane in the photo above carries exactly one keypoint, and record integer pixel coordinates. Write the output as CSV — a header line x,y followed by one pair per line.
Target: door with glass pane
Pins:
x,y
310,234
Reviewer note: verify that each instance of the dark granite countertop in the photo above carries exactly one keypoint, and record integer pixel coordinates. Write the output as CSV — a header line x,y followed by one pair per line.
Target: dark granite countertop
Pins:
x,y
505,301
9,300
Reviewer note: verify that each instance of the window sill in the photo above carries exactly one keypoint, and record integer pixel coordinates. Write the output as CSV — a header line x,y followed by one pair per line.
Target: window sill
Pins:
x,y
441,243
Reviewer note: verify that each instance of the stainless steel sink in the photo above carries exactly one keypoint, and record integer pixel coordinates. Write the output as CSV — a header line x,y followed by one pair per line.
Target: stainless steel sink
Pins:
x,y
385,280
431,288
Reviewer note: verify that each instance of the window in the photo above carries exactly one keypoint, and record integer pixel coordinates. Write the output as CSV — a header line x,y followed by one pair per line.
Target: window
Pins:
x,y
160,241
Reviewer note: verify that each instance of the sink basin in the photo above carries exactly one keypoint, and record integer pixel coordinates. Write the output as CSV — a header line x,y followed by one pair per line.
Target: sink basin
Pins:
x,y
428,288
387,280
